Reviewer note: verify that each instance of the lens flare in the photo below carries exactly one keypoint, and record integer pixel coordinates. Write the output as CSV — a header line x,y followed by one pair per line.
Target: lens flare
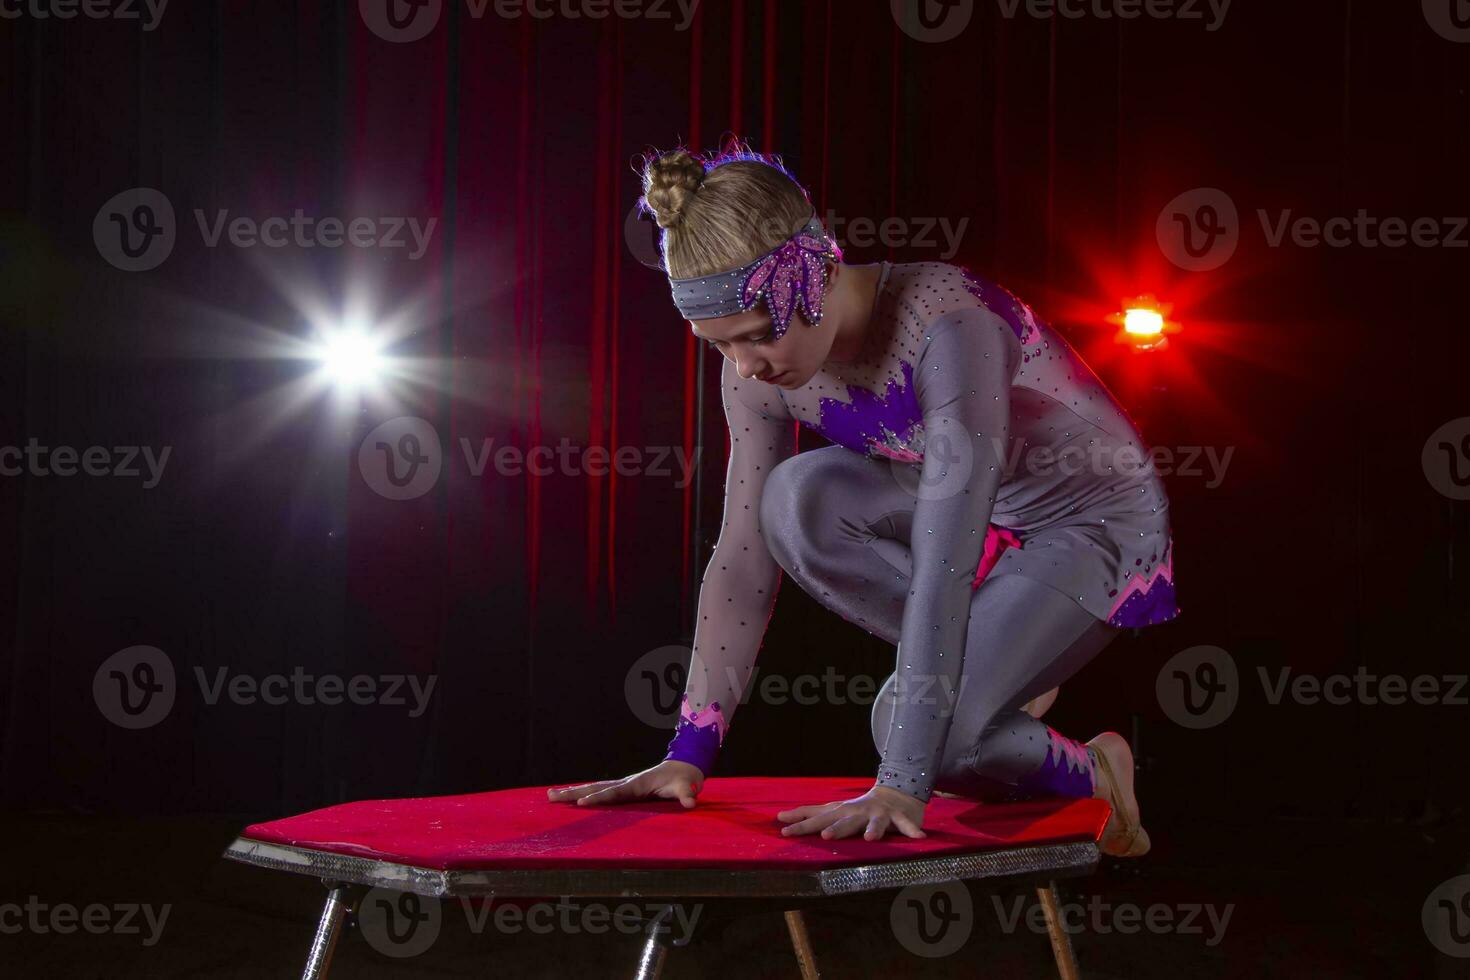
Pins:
x,y
1144,323
350,356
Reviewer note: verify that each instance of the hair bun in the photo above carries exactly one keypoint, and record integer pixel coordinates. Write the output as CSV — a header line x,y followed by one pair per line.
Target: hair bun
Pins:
x,y
669,181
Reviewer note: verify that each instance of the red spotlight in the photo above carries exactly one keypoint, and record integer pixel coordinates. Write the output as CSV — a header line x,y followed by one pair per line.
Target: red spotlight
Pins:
x,y
1144,324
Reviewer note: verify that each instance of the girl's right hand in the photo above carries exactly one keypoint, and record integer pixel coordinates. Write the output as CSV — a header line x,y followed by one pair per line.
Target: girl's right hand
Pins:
x,y
669,780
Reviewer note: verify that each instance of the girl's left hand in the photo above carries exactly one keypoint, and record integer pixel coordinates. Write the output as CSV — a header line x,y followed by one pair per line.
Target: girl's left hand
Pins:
x,y
871,813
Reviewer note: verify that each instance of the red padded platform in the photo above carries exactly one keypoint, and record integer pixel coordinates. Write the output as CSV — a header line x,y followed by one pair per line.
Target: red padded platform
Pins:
x,y
733,827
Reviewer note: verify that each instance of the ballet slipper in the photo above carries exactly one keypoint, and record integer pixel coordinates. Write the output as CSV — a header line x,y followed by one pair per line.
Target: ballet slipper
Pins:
x,y
1123,836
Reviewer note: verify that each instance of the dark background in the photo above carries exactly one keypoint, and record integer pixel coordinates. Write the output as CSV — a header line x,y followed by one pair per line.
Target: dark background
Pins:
x,y
262,549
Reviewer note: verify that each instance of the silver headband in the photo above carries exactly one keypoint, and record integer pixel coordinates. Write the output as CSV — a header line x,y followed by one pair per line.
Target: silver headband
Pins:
x,y
791,276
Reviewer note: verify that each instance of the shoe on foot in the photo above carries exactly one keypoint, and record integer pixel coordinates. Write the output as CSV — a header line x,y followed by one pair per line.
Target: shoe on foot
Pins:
x,y
1123,836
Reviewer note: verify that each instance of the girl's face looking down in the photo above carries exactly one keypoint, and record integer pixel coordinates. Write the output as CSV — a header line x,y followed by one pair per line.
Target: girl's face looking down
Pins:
x,y
748,339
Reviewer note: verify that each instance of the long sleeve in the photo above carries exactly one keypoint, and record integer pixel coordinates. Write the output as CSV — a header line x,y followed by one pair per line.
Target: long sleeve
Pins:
x,y
738,590
962,382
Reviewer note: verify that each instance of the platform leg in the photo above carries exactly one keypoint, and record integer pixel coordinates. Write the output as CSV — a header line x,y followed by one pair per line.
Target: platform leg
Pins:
x,y
801,942
319,960
1061,943
655,947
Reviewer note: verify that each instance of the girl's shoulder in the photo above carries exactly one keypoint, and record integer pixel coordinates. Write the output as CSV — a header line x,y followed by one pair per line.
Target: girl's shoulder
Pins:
x,y
930,291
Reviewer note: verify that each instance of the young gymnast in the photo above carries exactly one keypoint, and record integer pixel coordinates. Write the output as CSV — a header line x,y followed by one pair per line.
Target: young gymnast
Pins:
x,y
987,506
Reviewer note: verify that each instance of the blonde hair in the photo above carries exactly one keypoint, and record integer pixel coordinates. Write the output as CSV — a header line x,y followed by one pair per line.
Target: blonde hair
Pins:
x,y
721,213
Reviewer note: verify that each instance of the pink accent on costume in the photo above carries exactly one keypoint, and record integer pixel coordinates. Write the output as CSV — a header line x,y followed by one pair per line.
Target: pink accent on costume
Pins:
x,y
1074,752
705,717
902,455
1138,585
997,540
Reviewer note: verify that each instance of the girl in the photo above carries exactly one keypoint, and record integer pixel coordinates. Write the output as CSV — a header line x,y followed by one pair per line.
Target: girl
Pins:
x,y
987,506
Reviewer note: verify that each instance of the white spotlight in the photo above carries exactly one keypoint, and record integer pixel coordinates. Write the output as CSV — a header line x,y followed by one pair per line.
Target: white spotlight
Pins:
x,y
350,356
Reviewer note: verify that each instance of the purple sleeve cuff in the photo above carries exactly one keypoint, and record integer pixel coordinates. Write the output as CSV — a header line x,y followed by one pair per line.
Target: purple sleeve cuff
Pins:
x,y
698,736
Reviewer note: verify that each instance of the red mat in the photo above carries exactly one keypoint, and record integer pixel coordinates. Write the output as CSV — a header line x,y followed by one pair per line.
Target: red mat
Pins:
x,y
733,827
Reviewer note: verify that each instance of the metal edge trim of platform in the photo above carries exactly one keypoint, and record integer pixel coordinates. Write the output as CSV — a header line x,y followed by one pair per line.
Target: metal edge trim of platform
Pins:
x,y
1046,860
